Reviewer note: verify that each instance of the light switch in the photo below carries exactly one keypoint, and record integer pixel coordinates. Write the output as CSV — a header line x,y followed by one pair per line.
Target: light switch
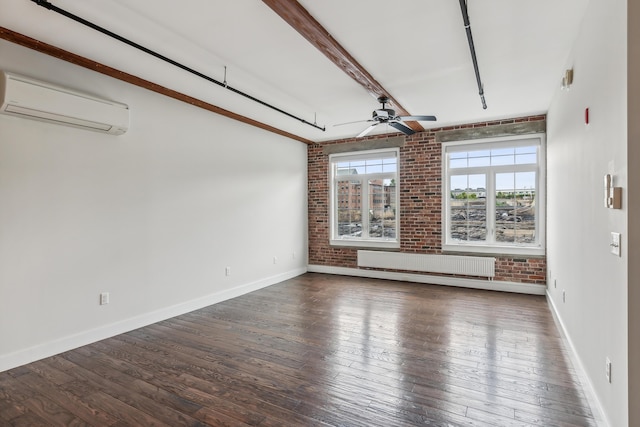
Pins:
x,y
615,243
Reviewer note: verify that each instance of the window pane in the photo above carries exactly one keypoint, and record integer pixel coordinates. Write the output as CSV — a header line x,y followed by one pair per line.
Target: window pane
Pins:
x,y
469,159
468,208
340,170
389,165
527,155
382,209
479,153
532,149
374,167
458,163
525,181
515,207
508,151
359,170
479,161
502,160
526,159
348,212
502,156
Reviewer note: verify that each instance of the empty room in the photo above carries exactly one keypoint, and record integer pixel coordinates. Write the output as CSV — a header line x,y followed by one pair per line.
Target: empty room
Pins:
x,y
335,213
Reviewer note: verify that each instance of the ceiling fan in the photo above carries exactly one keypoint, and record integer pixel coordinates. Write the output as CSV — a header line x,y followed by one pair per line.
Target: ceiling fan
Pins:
x,y
388,116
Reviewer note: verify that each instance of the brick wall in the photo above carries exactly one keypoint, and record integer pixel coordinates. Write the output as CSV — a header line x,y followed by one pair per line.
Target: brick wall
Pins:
x,y
420,206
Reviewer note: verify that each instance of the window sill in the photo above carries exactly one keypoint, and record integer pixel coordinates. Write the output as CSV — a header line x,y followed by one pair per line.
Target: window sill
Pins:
x,y
381,244
495,250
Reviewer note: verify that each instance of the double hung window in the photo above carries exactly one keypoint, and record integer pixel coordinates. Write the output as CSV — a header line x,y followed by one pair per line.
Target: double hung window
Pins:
x,y
364,198
493,196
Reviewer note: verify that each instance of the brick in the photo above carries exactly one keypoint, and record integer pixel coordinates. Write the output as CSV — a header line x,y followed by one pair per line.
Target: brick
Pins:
x,y
420,205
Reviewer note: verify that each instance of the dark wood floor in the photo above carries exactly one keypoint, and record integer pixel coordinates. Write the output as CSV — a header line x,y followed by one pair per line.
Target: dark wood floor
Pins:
x,y
317,350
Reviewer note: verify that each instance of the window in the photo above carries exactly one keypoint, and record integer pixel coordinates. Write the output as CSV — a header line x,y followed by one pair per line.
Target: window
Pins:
x,y
493,196
364,199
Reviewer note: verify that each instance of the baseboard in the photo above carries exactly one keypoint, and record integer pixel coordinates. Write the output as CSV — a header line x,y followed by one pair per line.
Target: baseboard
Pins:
x,y
51,348
493,285
585,381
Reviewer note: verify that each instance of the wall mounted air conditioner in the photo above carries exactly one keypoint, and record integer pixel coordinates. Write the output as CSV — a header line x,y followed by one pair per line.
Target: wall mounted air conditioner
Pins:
x,y
33,99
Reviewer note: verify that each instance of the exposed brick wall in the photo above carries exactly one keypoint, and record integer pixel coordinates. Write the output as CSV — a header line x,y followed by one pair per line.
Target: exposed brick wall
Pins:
x,y
519,269
420,206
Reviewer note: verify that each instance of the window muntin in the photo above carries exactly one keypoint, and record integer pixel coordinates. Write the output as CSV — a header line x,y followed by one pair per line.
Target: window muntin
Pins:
x,y
493,196
364,198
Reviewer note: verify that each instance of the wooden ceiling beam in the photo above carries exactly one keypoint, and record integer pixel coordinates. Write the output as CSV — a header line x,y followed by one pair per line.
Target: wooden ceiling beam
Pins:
x,y
305,24
67,56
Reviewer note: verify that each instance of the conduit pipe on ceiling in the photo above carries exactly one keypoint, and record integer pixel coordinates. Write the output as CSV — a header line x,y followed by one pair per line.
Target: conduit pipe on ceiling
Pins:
x,y
467,27
48,5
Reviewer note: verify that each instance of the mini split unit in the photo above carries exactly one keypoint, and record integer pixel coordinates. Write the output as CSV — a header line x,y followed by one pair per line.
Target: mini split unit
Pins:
x,y
33,99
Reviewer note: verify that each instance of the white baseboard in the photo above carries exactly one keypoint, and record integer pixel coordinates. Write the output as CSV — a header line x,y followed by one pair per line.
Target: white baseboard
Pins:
x,y
41,351
493,285
585,381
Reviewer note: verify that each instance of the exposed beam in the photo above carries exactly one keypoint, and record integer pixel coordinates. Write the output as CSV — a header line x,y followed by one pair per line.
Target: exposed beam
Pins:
x,y
305,24
67,56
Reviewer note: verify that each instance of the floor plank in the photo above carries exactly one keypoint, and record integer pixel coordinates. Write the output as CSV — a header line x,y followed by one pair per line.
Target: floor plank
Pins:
x,y
317,350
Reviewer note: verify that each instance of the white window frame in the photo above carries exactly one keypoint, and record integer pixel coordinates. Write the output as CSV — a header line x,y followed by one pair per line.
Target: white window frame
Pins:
x,y
490,245
365,241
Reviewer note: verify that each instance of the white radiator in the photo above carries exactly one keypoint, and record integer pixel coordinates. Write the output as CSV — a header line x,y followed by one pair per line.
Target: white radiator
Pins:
x,y
449,264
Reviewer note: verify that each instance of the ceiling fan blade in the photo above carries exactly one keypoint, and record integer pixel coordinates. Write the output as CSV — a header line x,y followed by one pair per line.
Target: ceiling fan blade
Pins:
x,y
402,128
367,130
350,123
417,118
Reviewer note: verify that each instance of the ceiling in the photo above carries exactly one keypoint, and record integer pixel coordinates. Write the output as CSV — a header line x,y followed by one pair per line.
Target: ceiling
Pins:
x,y
415,49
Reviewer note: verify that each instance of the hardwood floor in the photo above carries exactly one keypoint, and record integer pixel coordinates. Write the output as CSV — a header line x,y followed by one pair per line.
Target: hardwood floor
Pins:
x,y
317,350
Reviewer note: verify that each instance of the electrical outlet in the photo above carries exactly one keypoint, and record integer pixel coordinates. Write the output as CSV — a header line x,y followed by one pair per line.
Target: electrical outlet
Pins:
x,y
615,244
608,369
104,298
227,271
275,259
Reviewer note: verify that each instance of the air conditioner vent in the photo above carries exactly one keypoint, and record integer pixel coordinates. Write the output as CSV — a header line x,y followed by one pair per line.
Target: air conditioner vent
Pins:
x,y
33,99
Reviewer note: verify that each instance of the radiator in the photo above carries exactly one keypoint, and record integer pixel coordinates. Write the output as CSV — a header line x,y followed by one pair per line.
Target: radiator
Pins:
x,y
450,264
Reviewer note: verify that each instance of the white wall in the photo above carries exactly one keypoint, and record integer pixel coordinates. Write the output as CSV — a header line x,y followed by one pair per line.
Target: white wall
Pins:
x,y
595,282
153,216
